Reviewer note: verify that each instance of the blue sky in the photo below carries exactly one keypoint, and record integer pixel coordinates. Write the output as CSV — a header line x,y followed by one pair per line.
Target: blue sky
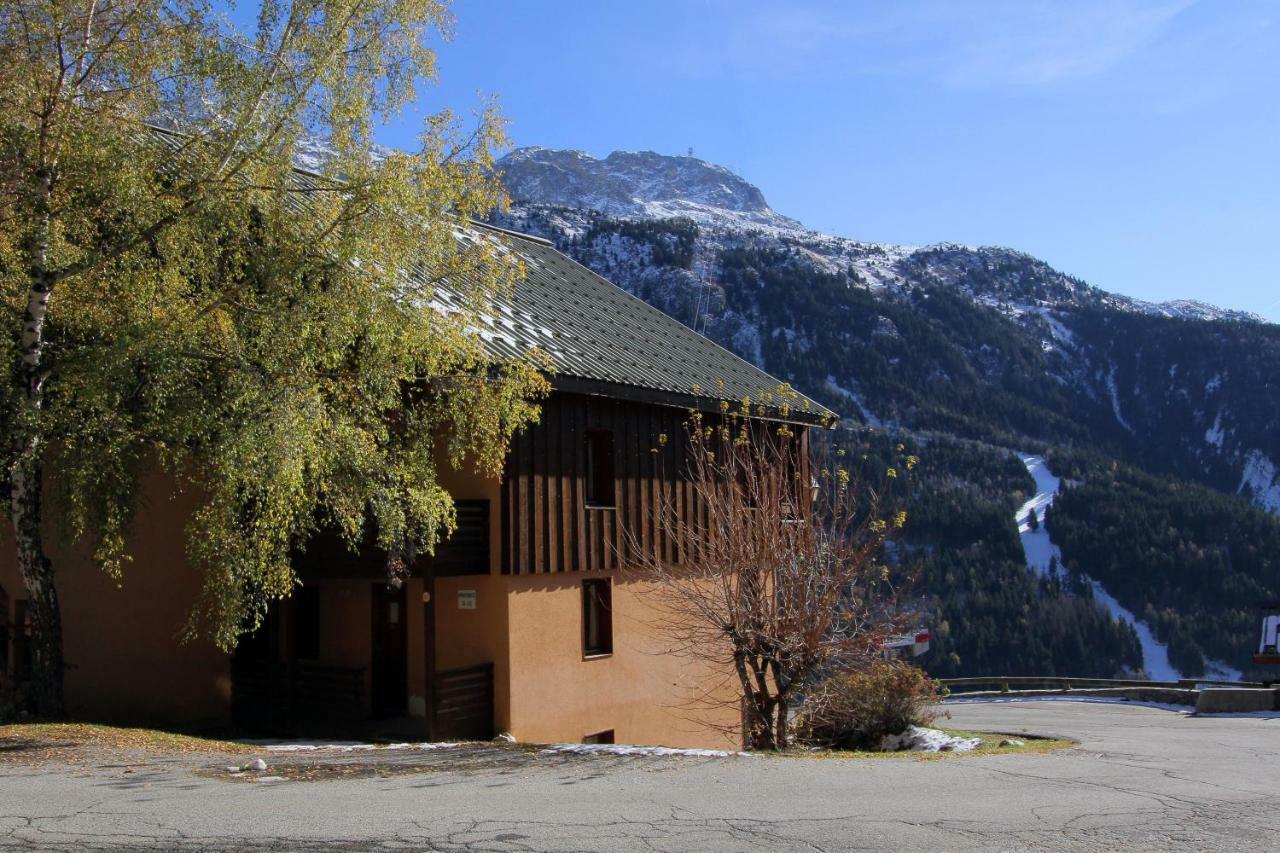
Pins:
x,y
1133,143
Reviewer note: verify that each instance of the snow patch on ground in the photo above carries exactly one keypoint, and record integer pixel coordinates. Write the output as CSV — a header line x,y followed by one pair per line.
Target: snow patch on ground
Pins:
x,y
348,746
575,748
623,749
1261,481
918,739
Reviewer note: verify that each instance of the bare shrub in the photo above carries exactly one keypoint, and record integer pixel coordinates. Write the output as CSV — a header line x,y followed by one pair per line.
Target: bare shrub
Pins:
x,y
855,710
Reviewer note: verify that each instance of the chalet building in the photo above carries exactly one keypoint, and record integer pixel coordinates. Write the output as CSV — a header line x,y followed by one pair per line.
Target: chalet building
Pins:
x,y
524,621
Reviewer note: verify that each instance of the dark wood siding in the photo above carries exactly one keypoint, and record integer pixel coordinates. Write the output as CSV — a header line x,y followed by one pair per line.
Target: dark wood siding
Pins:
x,y
547,525
466,552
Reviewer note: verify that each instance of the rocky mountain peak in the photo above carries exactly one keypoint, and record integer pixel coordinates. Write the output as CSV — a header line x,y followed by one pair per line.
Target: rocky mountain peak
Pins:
x,y
631,184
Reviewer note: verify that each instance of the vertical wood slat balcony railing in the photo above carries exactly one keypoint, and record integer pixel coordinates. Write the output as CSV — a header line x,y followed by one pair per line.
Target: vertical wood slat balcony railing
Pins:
x,y
288,696
462,702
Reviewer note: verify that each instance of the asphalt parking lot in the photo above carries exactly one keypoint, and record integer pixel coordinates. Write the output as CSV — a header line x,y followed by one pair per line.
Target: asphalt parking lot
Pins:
x,y
1141,778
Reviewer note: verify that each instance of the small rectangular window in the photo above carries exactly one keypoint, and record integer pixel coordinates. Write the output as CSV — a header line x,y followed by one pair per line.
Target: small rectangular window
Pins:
x,y
599,468
605,736
597,617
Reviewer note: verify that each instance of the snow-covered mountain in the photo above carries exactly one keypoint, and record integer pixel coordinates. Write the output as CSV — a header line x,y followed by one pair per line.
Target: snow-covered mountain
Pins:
x,y
639,184
1193,309
985,342
646,186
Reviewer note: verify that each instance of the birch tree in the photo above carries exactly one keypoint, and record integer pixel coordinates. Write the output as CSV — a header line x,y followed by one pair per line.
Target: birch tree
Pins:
x,y
180,298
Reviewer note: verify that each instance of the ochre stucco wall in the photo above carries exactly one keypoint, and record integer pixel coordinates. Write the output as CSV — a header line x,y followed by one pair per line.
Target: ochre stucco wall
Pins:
x,y
643,692
125,661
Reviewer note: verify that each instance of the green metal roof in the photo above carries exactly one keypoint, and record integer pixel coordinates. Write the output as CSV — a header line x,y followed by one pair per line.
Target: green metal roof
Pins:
x,y
603,340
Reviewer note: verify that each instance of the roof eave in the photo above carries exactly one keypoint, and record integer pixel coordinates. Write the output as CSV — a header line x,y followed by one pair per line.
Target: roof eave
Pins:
x,y
697,402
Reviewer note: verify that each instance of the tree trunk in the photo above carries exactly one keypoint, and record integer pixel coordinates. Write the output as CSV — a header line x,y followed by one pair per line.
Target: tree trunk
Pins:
x,y
26,473
37,575
757,726
781,736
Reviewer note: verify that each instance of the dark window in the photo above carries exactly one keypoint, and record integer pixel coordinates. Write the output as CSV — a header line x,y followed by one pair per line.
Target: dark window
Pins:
x,y
599,468
306,623
466,552
605,736
597,617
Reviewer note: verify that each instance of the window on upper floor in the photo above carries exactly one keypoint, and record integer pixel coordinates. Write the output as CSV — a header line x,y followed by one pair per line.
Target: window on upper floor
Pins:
x,y
599,473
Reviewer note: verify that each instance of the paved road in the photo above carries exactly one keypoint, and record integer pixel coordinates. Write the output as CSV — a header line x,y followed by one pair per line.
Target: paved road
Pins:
x,y
1142,778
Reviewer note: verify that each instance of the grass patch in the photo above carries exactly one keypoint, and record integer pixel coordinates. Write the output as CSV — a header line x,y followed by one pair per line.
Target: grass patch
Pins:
x,y
990,746
29,737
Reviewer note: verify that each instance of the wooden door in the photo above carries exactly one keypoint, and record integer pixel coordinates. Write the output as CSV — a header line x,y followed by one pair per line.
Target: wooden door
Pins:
x,y
389,669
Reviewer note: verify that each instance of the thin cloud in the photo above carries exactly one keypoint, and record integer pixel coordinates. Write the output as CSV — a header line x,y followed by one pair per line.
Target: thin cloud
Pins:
x,y
999,43
1033,44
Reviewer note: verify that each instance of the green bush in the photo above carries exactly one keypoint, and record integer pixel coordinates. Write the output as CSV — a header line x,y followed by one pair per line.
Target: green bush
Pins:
x,y
855,710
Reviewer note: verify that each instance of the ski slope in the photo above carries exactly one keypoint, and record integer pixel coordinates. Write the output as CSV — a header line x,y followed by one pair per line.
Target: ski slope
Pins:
x,y
1040,551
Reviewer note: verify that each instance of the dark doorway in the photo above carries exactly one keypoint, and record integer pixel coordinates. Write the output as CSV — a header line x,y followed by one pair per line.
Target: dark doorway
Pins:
x,y
389,669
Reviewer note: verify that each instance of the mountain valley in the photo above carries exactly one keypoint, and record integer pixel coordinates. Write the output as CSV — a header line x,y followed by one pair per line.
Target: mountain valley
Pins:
x,y
974,354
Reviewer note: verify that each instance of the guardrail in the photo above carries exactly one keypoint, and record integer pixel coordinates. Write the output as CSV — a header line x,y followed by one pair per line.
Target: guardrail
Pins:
x,y
1005,684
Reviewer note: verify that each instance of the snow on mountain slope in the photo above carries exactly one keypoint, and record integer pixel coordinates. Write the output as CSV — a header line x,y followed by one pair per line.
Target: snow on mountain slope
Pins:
x,y
641,184
1193,309
1261,481
754,280
1042,554
647,185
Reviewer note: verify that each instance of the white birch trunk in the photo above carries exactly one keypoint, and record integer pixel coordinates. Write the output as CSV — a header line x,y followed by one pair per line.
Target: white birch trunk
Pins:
x,y
26,473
